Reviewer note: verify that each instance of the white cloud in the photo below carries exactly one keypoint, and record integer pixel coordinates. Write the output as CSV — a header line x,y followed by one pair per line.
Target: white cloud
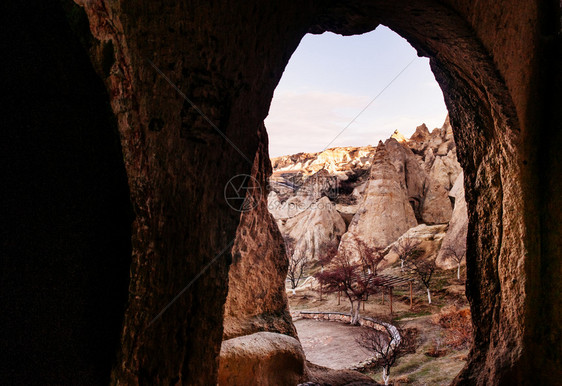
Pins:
x,y
309,121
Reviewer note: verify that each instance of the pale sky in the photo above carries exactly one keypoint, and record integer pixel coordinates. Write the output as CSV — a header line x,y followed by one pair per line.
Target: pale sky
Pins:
x,y
331,78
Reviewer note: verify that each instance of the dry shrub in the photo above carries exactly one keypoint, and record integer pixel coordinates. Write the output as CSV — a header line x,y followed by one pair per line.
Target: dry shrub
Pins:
x,y
458,326
436,349
410,337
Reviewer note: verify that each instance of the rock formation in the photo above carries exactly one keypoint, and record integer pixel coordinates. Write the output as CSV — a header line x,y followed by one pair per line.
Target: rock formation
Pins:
x,y
412,174
458,226
440,162
405,182
335,160
385,212
263,358
437,207
430,238
256,298
314,228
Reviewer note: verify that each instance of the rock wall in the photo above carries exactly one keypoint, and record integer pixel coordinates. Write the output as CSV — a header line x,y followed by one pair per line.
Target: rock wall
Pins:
x,y
256,291
455,239
188,123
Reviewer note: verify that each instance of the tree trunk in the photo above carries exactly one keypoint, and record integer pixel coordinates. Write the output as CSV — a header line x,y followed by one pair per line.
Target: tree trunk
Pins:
x,y
385,375
355,315
428,295
459,271
294,292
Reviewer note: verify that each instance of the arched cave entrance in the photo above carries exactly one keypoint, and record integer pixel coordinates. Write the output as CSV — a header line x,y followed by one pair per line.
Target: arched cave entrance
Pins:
x,y
319,197
227,61
488,136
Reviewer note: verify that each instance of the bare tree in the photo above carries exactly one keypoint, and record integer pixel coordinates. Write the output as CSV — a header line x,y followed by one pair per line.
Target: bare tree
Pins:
x,y
407,249
423,269
327,254
298,263
457,256
348,275
370,257
388,345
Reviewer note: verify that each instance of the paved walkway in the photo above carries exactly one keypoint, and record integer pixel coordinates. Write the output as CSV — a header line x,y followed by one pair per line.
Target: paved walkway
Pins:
x,y
331,344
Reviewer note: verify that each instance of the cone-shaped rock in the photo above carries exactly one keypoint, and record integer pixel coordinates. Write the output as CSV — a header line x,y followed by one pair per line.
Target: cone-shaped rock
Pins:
x,y
385,213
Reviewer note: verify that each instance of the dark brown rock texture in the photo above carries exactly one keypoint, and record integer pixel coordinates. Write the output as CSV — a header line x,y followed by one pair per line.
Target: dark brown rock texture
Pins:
x,y
256,290
497,63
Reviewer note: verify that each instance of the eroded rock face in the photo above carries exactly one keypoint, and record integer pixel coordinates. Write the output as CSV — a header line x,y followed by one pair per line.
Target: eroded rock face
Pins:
x,y
424,169
437,150
385,212
177,166
458,227
413,176
256,298
314,229
263,358
437,207
429,237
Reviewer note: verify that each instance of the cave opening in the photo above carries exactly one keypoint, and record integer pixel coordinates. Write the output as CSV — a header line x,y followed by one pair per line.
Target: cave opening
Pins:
x,y
325,195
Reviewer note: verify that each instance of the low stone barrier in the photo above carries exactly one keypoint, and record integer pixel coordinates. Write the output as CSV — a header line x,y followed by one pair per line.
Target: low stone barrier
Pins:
x,y
346,318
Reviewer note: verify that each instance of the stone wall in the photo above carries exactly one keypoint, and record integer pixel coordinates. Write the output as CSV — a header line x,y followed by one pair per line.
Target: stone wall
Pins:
x,y
343,318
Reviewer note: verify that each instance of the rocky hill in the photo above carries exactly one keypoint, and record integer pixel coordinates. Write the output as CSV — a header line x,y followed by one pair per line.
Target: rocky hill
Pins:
x,y
402,187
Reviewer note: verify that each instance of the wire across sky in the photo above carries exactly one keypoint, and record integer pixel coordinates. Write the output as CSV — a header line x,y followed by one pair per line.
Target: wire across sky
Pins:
x,y
352,91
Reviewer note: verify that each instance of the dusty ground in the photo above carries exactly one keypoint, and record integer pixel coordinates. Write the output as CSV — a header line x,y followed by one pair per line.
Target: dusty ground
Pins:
x,y
331,344
319,337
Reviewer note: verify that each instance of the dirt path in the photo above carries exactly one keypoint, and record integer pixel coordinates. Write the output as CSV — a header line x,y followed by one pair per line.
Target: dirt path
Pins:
x,y
331,344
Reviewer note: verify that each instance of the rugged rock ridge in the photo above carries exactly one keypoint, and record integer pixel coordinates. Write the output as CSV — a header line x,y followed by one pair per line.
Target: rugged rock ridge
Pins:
x,y
336,160
379,193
